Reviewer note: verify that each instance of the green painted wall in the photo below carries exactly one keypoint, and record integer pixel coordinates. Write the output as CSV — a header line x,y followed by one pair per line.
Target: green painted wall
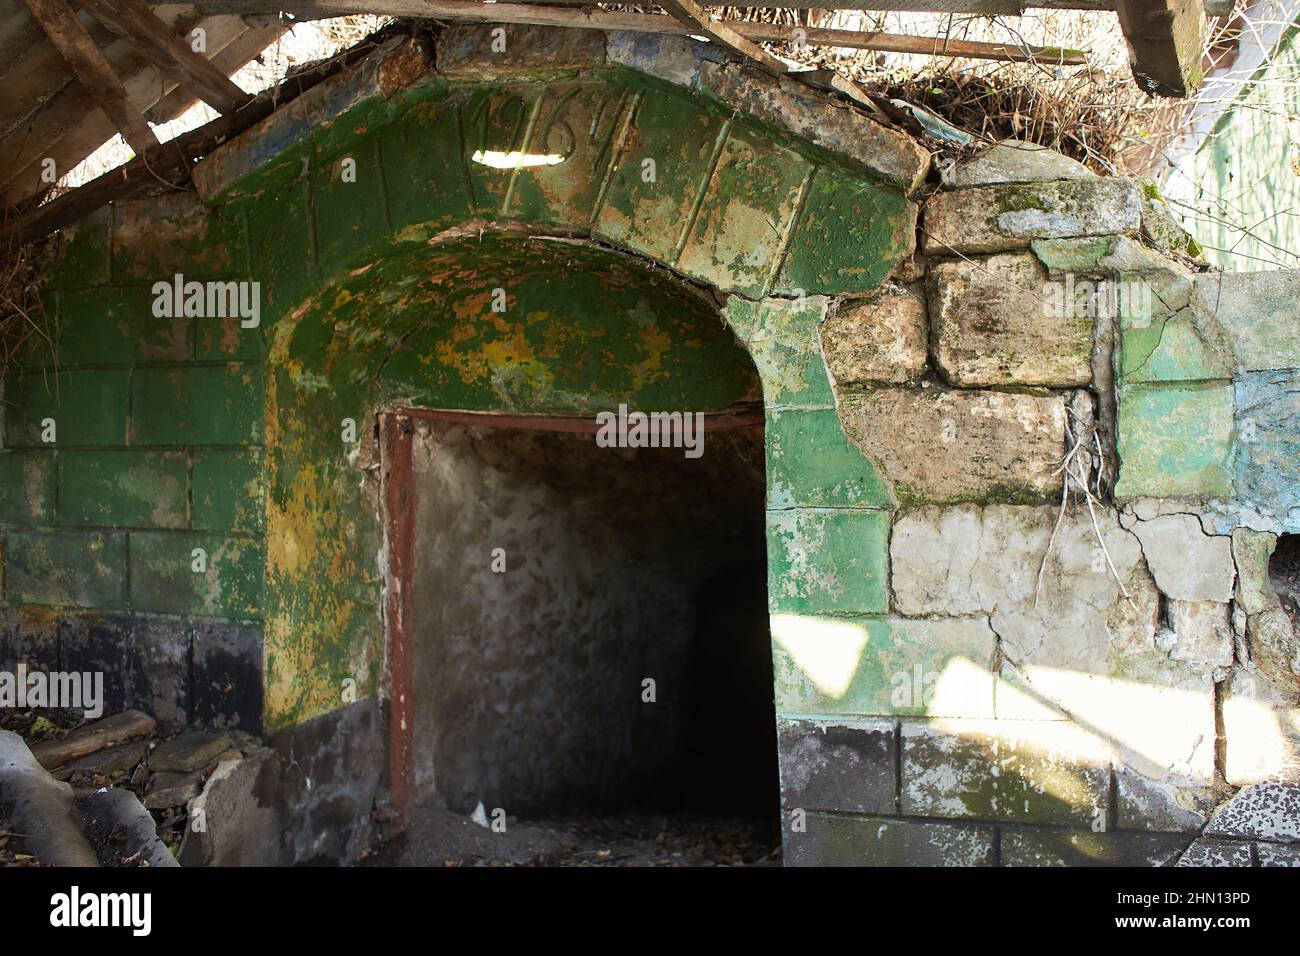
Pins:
x,y
1244,181
376,290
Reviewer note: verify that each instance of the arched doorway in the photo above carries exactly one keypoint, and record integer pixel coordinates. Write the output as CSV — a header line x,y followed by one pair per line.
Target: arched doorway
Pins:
x,y
573,626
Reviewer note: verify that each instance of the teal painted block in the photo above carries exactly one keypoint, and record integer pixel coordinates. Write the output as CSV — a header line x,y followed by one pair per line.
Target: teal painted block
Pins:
x,y
123,489
883,666
164,579
228,490
787,353
88,407
1168,350
810,462
197,405
827,561
65,569
27,487
1175,441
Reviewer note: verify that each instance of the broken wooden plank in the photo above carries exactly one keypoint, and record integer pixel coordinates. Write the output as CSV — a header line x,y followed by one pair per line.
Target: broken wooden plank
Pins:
x,y
321,9
92,70
229,59
170,162
91,737
1165,41
537,15
700,21
69,125
155,41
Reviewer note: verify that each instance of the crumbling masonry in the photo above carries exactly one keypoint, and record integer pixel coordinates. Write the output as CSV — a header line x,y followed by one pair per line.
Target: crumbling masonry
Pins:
x,y
968,671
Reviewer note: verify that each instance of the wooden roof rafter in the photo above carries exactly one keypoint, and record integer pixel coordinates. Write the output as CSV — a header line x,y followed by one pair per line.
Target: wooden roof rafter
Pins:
x,y
155,42
92,71
1164,36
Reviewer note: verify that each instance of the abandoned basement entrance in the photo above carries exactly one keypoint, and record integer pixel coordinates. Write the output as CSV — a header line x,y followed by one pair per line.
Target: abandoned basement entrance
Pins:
x,y
587,666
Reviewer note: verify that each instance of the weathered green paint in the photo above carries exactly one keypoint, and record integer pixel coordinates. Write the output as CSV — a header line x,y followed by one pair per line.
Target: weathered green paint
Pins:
x,y
850,237
163,578
227,492
27,488
823,561
788,355
136,489
883,666
810,462
199,405
89,407
65,569
649,215
117,326
1175,441
749,206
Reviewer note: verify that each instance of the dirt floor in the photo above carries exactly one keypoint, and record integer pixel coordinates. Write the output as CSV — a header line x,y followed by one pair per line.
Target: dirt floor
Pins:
x,y
438,837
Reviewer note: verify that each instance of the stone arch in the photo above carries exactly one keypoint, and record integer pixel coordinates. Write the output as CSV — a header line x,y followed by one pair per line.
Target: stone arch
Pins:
x,y
767,224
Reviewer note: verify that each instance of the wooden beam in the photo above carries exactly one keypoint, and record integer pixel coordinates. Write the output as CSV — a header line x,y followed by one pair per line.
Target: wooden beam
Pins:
x,y
92,70
155,42
698,20
584,19
319,9
1165,41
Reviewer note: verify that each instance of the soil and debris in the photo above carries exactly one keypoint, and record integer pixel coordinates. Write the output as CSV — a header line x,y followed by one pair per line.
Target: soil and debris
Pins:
x,y
122,751
439,837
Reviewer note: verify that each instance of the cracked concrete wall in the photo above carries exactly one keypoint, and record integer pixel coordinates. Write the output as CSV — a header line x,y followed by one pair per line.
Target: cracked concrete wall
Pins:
x,y
1087,447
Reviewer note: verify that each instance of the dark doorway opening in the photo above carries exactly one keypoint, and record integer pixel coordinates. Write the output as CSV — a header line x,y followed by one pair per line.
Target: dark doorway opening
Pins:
x,y
587,654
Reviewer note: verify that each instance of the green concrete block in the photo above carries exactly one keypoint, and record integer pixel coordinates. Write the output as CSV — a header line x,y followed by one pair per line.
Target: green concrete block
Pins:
x,y
88,407
737,239
495,122
823,561
841,841
154,240
883,666
349,203
680,137
163,578
197,405
281,247
810,462
123,489
27,487
228,490
578,122
117,326
65,569
425,186
787,353
217,338
851,235
1168,350
83,255
1175,441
